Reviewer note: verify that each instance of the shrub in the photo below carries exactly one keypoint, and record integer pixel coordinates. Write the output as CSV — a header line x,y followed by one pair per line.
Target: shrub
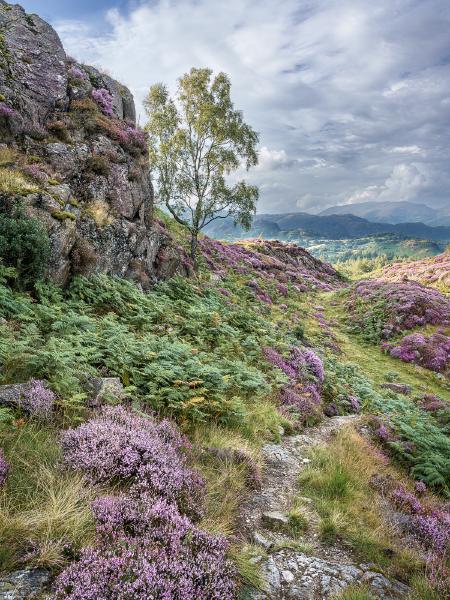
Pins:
x,y
84,105
38,400
24,245
104,100
121,446
59,129
83,256
4,468
76,73
97,164
380,309
431,352
36,173
171,559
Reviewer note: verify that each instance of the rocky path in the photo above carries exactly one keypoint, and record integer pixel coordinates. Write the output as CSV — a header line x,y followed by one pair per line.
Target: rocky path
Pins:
x,y
305,568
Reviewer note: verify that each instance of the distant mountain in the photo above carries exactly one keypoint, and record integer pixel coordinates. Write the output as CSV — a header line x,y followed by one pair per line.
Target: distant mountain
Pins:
x,y
393,212
295,226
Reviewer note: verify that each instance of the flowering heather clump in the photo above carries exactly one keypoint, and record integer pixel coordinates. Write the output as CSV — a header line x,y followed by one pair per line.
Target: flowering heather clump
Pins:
x,y
383,433
171,559
76,73
121,446
36,173
38,400
420,487
4,468
104,100
382,309
281,363
433,271
315,364
306,373
429,525
282,289
355,404
135,137
431,352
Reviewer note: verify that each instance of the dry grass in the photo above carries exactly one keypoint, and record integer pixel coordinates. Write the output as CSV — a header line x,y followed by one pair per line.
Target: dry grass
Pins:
x,y
13,182
100,212
8,157
338,478
44,512
226,478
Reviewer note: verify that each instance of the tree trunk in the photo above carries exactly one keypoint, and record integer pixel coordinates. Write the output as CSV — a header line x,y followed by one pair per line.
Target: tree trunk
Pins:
x,y
194,249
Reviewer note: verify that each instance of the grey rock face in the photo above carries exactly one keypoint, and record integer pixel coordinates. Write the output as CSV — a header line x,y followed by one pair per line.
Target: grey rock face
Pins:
x,y
24,585
97,204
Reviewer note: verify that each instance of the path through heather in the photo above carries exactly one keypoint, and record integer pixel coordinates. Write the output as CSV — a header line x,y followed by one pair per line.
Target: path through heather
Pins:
x,y
310,570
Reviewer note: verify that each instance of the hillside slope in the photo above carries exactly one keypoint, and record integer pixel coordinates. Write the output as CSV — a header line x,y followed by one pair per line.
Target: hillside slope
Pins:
x,y
261,429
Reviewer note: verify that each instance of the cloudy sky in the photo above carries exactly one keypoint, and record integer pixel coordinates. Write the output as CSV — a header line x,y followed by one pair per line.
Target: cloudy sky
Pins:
x,y
351,97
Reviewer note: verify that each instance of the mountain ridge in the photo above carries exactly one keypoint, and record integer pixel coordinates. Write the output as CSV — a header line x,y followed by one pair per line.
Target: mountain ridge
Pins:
x,y
286,226
393,212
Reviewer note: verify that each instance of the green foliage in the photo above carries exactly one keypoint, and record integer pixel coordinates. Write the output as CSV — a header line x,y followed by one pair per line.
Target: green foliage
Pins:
x,y
183,351
356,593
24,245
420,441
62,215
195,141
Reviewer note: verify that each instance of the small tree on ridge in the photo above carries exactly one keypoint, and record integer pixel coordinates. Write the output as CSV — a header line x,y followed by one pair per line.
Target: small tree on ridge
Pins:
x,y
195,142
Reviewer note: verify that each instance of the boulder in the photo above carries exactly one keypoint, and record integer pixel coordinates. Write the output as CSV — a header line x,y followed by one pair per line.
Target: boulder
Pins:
x,y
398,388
11,395
104,389
24,585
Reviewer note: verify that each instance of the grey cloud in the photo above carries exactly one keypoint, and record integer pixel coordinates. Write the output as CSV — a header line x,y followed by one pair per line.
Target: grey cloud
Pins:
x,y
343,92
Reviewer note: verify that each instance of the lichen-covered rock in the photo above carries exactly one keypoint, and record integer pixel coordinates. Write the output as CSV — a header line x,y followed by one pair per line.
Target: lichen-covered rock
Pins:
x,y
73,132
103,389
24,585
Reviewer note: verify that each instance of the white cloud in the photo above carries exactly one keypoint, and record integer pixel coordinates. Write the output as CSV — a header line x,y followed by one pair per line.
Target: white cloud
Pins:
x,y
340,90
404,183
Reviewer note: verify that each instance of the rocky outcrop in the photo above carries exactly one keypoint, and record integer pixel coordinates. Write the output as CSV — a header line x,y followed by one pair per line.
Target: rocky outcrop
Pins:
x,y
71,135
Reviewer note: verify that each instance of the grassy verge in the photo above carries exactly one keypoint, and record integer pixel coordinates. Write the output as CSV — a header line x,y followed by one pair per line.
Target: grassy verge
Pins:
x,y
45,513
338,479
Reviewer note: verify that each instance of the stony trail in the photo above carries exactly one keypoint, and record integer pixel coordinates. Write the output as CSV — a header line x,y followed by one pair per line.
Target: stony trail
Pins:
x,y
319,571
